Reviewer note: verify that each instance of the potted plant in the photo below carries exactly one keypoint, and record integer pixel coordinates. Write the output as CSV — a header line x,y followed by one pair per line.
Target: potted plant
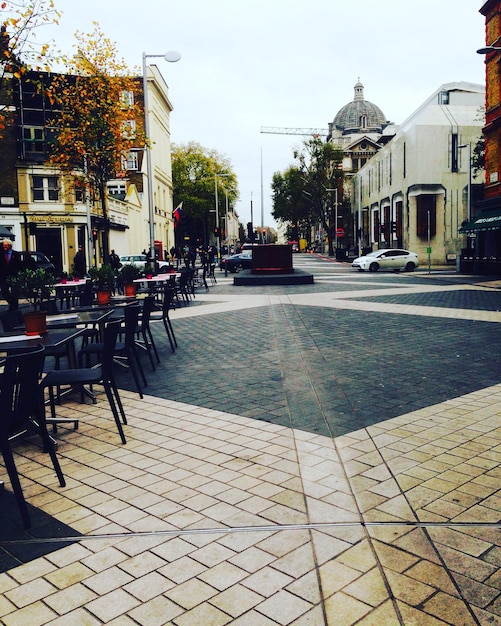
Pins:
x,y
128,274
36,286
103,278
148,270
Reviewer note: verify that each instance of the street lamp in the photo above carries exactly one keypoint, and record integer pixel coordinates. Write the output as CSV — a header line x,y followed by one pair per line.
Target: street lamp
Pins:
x,y
335,219
171,57
216,174
468,202
488,49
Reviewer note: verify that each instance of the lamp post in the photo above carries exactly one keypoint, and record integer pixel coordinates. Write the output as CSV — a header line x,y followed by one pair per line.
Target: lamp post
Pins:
x,y
335,219
488,49
216,174
171,57
468,201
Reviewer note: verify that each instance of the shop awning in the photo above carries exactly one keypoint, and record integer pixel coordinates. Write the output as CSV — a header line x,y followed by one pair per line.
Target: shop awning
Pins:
x,y
490,220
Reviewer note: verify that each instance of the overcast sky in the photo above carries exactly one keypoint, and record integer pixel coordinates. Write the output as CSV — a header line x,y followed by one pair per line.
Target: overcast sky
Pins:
x,y
248,64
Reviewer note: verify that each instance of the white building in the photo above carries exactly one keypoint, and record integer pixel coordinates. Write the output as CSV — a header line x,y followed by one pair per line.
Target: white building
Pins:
x,y
413,193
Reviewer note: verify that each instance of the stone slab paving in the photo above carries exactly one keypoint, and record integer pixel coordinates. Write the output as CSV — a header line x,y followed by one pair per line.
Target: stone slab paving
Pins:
x,y
269,479
207,517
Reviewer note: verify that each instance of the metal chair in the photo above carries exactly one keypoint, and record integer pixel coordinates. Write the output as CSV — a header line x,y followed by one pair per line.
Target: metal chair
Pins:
x,y
101,374
163,314
21,410
125,353
144,337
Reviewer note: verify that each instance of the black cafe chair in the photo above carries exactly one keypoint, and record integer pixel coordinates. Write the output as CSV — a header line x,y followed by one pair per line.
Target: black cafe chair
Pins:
x,y
21,411
126,353
101,374
162,313
144,336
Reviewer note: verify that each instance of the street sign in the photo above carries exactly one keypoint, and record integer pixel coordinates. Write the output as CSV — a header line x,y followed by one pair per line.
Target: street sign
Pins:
x,y
340,232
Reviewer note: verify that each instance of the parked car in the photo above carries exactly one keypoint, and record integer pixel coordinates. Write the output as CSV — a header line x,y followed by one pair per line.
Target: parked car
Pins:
x,y
139,261
237,262
37,260
387,259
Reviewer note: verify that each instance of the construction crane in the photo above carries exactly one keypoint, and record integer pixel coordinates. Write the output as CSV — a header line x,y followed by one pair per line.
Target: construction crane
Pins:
x,y
271,130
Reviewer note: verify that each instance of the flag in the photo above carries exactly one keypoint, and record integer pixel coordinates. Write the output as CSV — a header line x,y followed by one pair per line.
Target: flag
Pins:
x,y
176,214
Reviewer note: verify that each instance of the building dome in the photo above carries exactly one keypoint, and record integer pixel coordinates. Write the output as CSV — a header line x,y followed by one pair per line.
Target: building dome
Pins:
x,y
359,116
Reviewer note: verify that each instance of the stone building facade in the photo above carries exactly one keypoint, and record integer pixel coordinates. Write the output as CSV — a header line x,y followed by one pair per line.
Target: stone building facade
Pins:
x,y
413,193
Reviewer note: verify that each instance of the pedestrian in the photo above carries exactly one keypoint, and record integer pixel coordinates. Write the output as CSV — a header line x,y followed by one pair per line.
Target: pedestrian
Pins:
x,y
179,256
11,264
79,263
115,261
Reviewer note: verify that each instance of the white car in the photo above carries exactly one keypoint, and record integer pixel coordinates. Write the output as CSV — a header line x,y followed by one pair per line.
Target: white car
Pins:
x,y
387,259
139,260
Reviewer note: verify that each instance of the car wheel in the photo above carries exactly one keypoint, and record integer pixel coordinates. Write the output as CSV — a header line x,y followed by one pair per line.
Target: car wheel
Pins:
x,y
373,267
410,267
238,267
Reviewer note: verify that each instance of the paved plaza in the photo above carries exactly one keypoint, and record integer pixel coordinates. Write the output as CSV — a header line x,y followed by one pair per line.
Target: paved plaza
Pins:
x,y
326,454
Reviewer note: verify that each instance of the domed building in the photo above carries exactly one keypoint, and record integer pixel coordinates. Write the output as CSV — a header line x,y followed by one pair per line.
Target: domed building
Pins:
x,y
359,128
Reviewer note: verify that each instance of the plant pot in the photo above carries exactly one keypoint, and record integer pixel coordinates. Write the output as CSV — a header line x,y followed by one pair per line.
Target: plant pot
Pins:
x,y
35,322
130,289
103,297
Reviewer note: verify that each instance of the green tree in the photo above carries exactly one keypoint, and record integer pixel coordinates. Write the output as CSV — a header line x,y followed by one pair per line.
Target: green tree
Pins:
x,y
194,170
290,204
98,123
19,48
315,177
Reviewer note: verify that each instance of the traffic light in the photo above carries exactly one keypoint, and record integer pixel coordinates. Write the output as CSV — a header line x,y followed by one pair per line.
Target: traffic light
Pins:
x,y
216,231
94,234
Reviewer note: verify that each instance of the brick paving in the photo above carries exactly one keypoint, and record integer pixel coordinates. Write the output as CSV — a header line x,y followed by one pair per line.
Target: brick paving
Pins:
x,y
316,455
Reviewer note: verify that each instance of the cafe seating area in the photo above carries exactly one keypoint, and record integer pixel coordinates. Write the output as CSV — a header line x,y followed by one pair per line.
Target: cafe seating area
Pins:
x,y
85,344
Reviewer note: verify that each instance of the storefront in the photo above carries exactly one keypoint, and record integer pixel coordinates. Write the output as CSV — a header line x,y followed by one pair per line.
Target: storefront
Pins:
x,y
483,252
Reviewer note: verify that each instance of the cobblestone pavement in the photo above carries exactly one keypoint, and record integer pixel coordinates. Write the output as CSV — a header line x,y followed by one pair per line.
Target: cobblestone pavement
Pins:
x,y
320,454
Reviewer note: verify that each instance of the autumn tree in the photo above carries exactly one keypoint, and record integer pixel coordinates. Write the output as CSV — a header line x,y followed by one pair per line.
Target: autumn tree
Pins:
x,y
20,51
100,119
194,170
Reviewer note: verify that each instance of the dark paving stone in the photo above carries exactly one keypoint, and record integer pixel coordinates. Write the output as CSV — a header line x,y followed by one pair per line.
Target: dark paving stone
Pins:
x,y
467,299
325,371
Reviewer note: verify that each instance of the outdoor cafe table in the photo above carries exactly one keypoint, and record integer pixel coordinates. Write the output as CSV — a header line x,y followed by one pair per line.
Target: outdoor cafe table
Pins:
x,y
72,284
68,289
52,339
78,317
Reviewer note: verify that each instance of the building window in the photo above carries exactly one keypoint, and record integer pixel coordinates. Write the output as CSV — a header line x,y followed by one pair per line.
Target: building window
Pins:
x,y
34,140
117,188
45,188
129,129
131,162
454,152
426,215
127,99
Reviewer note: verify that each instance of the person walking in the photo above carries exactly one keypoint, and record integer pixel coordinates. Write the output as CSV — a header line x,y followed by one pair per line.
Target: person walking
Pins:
x,y
115,261
79,263
11,264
